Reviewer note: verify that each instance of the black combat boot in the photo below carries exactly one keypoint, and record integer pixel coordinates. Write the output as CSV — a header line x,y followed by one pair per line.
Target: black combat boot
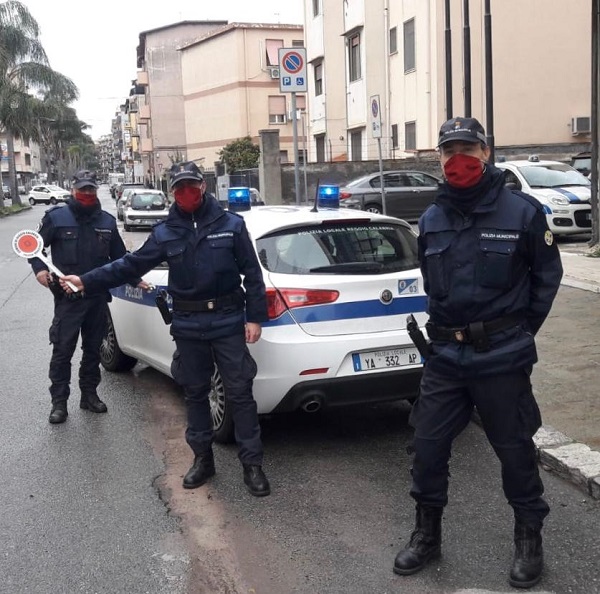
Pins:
x,y
92,403
529,555
59,413
255,480
201,470
425,541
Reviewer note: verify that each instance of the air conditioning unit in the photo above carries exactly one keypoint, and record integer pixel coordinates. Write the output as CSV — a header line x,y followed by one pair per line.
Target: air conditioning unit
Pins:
x,y
580,125
274,71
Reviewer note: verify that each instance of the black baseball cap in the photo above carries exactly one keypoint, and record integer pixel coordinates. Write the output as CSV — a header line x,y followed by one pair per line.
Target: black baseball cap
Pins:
x,y
84,179
185,170
465,129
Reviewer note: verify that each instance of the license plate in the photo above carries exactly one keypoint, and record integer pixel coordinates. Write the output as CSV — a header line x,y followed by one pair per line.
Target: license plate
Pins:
x,y
385,359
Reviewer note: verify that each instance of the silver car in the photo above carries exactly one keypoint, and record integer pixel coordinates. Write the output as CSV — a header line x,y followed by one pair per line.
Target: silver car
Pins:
x,y
144,208
407,193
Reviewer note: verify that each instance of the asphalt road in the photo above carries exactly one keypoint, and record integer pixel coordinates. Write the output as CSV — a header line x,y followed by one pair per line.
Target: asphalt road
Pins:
x,y
96,504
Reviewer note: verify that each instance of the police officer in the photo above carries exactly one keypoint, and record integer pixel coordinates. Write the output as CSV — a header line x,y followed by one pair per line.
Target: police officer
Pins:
x,y
207,249
81,237
491,271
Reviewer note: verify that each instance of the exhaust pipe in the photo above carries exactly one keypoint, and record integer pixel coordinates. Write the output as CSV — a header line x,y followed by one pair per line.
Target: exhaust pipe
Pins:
x,y
312,403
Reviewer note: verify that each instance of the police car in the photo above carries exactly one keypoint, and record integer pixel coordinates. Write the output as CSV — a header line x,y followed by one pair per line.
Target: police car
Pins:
x,y
340,285
563,192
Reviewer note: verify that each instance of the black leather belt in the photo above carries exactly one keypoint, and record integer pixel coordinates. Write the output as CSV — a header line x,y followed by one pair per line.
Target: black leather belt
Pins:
x,y
233,300
475,333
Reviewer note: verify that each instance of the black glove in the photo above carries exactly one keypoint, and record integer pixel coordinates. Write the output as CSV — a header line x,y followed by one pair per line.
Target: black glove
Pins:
x,y
55,287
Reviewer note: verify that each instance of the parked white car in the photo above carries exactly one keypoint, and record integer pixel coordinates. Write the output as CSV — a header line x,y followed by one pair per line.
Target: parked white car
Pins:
x,y
48,195
563,192
144,208
340,285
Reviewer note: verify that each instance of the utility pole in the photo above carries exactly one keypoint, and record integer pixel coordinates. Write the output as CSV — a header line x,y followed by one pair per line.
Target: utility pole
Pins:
x,y
489,81
467,56
595,238
448,51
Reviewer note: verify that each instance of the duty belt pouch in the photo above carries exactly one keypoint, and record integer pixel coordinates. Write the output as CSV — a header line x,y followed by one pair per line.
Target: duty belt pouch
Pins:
x,y
479,338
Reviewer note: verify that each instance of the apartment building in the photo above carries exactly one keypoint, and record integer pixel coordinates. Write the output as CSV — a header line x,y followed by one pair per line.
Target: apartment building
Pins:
x,y
230,82
160,119
394,51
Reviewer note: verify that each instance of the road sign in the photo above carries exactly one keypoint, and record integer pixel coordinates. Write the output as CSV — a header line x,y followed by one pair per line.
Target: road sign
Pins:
x,y
29,244
292,70
375,117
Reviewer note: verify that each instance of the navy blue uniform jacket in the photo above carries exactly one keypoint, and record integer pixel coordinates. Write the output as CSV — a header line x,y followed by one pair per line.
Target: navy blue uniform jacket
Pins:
x,y
206,251
79,239
500,259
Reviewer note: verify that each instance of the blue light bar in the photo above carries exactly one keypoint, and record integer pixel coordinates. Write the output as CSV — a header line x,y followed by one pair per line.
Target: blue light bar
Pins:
x,y
238,199
329,196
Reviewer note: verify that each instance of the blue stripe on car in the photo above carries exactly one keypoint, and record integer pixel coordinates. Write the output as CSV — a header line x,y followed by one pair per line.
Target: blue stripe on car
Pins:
x,y
303,315
573,198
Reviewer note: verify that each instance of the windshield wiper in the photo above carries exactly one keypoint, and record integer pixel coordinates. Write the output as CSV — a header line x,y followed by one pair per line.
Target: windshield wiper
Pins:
x,y
350,267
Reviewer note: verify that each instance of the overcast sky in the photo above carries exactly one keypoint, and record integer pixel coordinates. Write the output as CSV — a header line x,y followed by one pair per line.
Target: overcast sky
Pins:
x,y
94,43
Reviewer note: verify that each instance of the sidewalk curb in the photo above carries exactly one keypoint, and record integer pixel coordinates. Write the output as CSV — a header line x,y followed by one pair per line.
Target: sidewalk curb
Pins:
x,y
579,284
573,461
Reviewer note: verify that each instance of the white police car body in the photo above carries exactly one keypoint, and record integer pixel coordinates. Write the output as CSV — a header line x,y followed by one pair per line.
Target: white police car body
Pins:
x,y
340,285
562,190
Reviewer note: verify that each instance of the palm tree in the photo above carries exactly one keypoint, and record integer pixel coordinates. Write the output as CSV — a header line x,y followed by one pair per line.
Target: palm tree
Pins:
x,y
24,70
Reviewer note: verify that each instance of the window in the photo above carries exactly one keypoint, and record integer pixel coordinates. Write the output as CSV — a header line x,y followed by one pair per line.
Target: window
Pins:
x,y
320,147
277,109
409,45
27,159
297,42
393,40
318,72
422,180
283,157
330,248
273,46
316,6
356,145
354,57
394,135
410,136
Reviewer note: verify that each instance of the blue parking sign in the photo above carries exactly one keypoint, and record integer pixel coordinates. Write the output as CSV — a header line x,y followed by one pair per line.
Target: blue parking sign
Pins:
x,y
286,81
300,81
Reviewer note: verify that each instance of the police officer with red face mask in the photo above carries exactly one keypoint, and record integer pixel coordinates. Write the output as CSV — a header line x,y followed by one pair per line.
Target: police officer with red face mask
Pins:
x,y
208,250
81,237
491,270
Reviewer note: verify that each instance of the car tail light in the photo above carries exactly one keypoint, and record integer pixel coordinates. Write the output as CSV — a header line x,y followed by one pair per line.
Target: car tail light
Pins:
x,y
344,195
280,300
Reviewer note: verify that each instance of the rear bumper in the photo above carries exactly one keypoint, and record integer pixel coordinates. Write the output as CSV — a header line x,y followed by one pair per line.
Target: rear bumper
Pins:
x,y
343,391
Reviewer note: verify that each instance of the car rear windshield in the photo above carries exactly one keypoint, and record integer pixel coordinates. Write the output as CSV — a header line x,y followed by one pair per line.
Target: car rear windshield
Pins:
x,y
343,248
148,202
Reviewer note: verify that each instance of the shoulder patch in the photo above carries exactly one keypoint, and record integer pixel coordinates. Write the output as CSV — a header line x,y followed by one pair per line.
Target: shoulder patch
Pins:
x,y
548,237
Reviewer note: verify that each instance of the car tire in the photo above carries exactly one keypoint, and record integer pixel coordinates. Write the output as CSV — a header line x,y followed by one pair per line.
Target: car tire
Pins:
x,y
373,207
32,201
53,200
220,410
111,356
126,227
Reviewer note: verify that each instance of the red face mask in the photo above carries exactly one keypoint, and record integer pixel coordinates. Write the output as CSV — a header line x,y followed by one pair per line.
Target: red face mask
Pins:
x,y
463,171
86,199
188,198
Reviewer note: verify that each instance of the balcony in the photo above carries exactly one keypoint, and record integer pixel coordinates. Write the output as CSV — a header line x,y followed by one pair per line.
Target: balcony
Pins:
x,y
144,112
146,145
142,78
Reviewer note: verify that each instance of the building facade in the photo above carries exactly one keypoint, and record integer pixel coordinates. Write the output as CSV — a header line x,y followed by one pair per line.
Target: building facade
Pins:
x,y
393,52
230,81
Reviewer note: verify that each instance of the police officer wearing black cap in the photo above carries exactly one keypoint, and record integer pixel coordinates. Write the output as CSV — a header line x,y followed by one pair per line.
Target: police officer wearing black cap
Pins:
x,y
207,250
491,271
81,237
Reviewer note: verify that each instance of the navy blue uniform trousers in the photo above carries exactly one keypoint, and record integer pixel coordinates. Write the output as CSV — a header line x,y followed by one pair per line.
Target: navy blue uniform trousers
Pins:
x,y
510,417
193,369
86,316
